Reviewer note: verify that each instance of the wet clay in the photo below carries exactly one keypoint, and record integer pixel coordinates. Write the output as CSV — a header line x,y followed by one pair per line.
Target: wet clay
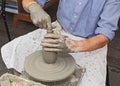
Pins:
x,y
13,80
49,66
41,71
49,57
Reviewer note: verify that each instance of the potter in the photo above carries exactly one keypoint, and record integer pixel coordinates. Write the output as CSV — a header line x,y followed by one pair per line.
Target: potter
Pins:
x,y
89,26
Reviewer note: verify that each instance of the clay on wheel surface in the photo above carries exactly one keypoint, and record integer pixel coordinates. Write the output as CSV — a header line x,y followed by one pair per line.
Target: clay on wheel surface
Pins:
x,y
41,71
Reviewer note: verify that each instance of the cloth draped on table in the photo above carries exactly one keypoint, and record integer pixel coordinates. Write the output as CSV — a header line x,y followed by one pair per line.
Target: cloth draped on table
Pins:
x,y
14,53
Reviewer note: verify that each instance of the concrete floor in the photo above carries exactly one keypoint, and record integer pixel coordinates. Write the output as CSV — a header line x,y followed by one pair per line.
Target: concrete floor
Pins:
x,y
25,27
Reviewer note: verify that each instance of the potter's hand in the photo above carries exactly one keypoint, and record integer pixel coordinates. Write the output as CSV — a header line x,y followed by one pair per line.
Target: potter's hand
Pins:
x,y
58,43
39,17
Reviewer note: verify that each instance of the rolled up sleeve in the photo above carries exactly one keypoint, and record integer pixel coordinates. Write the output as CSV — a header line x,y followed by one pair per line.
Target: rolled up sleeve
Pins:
x,y
107,24
42,2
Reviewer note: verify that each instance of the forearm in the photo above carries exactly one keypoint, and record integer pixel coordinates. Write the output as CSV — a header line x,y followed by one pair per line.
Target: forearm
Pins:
x,y
25,3
90,44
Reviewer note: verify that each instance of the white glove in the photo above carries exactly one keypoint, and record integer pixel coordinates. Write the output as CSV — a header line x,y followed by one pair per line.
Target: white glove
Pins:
x,y
58,43
39,17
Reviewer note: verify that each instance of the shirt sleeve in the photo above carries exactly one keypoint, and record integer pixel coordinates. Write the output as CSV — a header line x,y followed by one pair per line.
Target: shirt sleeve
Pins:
x,y
42,2
109,19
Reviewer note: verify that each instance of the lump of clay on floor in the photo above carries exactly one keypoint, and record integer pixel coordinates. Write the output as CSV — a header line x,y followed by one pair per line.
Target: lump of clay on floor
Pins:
x,y
12,80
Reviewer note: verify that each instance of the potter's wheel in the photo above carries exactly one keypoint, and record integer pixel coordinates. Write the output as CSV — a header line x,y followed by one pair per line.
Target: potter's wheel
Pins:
x,y
41,71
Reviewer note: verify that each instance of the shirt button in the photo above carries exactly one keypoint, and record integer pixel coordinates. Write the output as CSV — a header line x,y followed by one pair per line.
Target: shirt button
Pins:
x,y
71,28
75,16
80,3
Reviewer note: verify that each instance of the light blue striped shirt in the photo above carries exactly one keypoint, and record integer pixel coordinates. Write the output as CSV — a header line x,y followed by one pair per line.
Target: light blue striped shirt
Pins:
x,y
87,18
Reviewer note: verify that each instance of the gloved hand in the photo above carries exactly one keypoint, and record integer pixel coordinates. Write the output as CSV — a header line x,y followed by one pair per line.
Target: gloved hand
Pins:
x,y
58,43
39,17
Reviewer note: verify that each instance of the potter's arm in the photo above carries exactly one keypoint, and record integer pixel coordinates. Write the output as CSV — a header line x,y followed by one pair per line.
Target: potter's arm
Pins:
x,y
90,44
39,17
61,43
26,3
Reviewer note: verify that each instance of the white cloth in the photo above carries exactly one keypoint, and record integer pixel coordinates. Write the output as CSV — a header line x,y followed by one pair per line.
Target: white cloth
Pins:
x,y
14,53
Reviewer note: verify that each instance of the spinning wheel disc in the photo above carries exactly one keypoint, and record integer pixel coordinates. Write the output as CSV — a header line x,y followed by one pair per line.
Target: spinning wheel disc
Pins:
x,y
41,71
